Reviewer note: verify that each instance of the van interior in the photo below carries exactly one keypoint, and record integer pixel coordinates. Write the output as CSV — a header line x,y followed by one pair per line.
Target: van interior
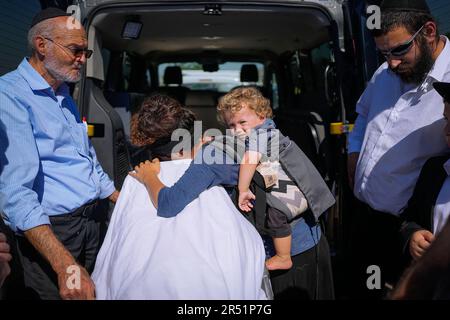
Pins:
x,y
197,57
310,58
294,52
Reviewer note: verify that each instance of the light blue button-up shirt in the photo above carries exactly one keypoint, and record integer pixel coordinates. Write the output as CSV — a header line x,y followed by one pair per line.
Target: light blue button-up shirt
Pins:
x,y
47,164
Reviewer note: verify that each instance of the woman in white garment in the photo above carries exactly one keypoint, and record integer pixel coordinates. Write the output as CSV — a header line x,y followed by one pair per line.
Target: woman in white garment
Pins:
x,y
208,251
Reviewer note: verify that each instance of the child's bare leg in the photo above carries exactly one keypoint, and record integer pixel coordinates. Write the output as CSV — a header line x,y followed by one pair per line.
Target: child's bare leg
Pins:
x,y
282,258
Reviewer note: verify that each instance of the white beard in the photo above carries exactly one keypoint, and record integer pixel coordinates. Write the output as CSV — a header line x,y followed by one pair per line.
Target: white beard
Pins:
x,y
55,69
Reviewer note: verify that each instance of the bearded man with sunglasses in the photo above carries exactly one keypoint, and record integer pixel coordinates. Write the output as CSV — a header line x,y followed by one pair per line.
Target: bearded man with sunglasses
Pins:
x,y
50,179
397,129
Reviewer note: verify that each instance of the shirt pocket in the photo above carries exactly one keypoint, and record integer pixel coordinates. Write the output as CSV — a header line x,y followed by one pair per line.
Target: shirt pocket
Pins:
x,y
83,141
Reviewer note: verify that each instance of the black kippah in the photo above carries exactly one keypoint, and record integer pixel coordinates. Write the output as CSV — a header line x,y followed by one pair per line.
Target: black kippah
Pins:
x,y
405,5
48,14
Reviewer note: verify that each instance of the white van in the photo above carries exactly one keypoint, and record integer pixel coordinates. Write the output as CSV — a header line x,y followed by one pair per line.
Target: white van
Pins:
x,y
311,58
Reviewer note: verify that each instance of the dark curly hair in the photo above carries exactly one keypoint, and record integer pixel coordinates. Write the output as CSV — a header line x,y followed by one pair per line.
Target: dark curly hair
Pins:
x,y
159,115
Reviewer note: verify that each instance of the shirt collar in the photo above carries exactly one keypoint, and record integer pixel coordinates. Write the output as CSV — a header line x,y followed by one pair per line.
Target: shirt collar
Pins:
x,y
447,167
442,62
34,79
37,82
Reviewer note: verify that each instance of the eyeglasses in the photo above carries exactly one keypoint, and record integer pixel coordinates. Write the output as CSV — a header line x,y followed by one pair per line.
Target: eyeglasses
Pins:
x,y
76,52
401,49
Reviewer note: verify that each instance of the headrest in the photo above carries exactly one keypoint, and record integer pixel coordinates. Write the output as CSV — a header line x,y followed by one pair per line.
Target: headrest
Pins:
x,y
173,75
249,73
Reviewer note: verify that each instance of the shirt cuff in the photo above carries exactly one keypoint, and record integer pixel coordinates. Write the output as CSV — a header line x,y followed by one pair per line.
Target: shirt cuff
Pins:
x,y
353,146
162,210
107,190
356,137
34,220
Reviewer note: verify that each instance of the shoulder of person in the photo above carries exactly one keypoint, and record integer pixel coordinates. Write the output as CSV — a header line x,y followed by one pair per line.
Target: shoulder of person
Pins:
x,y
9,80
382,73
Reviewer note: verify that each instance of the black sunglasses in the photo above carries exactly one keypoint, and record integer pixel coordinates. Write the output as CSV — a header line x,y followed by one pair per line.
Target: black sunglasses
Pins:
x,y
76,52
401,49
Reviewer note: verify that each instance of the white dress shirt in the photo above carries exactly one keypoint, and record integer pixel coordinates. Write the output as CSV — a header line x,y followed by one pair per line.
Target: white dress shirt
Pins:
x,y
442,207
398,128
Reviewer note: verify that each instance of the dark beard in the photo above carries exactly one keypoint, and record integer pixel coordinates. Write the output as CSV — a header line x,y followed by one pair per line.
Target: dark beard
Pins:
x,y
421,68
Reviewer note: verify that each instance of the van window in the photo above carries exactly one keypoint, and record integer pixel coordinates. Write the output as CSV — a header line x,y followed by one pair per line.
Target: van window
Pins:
x,y
320,59
14,24
133,75
106,55
222,80
126,71
301,75
274,87
307,74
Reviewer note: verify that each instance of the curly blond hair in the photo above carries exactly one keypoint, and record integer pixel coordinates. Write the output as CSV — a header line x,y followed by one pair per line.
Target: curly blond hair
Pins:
x,y
240,97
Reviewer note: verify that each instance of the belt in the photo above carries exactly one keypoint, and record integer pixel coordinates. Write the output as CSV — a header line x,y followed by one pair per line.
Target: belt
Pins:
x,y
85,210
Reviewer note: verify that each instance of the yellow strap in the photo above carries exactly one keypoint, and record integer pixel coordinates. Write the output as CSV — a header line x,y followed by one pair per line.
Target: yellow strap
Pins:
x,y
338,128
90,130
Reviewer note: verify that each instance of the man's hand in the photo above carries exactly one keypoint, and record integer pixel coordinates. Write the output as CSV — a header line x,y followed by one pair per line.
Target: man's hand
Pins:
x,y
419,242
79,286
5,257
352,160
114,196
244,201
144,169
75,284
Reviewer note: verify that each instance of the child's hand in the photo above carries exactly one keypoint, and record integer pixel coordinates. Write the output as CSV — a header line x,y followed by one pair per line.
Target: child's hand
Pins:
x,y
201,142
244,201
241,134
144,169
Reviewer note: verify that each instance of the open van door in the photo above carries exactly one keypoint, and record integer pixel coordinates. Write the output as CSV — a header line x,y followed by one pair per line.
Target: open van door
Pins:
x,y
346,80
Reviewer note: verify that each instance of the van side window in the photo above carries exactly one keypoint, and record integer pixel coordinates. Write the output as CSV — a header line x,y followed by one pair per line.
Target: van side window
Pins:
x,y
135,72
148,78
106,56
126,70
320,59
301,77
307,72
274,92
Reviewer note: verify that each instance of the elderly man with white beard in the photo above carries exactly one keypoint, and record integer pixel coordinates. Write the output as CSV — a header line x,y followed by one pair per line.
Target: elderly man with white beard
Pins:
x,y
51,181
